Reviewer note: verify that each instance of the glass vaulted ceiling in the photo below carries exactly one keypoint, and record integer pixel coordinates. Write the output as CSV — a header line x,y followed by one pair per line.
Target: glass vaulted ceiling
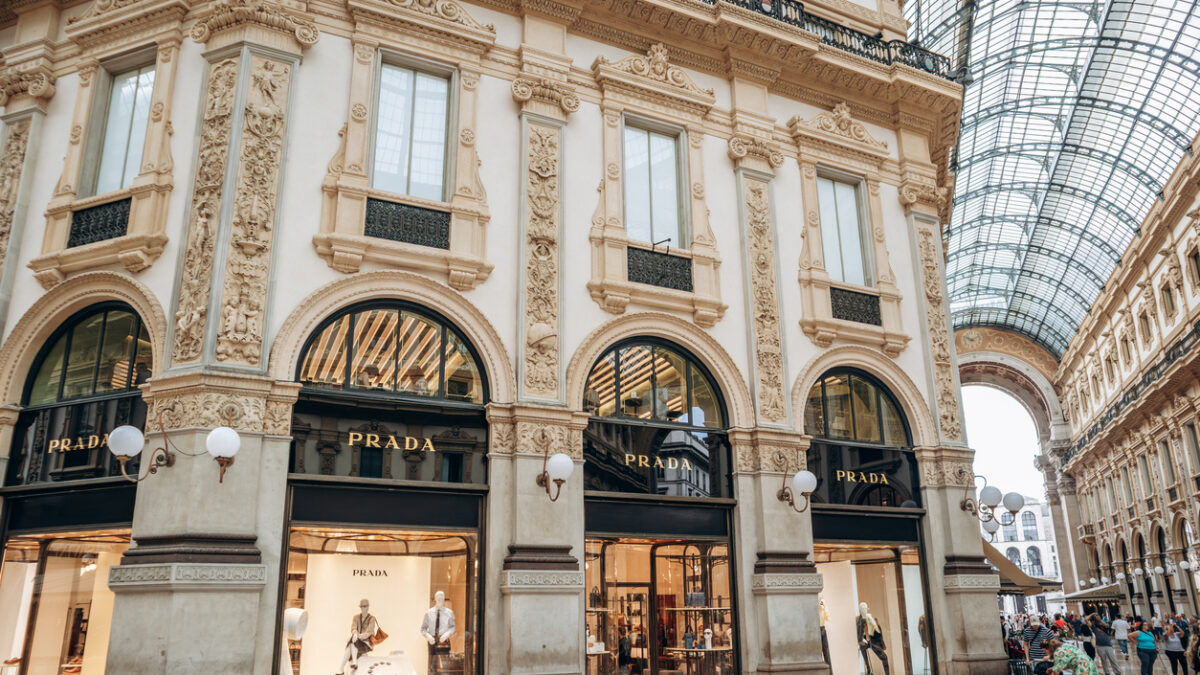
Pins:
x,y
1074,116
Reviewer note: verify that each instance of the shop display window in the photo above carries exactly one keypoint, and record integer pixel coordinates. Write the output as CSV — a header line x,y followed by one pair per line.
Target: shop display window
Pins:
x,y
55,606
659,606
873,594
394,602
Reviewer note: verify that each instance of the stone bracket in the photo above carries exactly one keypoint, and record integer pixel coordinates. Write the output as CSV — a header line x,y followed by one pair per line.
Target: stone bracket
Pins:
x,y
172,577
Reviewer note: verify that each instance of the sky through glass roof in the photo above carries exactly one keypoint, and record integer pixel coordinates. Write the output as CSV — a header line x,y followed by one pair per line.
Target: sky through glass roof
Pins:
x,y
1074,116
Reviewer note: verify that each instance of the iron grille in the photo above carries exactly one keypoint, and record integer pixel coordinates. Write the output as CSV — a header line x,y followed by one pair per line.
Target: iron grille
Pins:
x,y
407,223
660,269
1172,493
1150,504
98,223
855,306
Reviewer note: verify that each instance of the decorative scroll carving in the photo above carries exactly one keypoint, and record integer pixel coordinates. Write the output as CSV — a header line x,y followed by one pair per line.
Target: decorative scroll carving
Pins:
x,y
939,339
12,163
227,14
756,458
195,289
942,472
447,10
742,146
556,94
37,82
839,123
541,262
655,66
100,7
768,347
913,192
239,338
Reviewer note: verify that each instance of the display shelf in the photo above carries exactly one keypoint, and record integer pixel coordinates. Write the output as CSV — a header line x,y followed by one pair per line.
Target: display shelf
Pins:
x,y
685,650
695,609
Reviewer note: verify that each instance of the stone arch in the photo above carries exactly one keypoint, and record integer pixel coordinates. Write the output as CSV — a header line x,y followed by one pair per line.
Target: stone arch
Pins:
x,y
1021,381
60,303
876,363
666,327
394,285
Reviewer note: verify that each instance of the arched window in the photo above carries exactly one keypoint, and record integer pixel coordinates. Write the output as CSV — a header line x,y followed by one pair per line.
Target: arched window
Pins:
x,y
1010,526
391,391
1013,555
861,449
657,421
83,383
1035,561
1029,526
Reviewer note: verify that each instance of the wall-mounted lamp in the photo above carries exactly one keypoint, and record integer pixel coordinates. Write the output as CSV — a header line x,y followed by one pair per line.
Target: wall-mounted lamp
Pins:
x,y
1158,570
126,442
1139,571
1104,580
1093,581
556,468
989,500
1185,565
1120,576
804,483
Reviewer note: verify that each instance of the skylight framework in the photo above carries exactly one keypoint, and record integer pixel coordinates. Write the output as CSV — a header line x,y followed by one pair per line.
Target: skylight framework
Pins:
x,y
1074,116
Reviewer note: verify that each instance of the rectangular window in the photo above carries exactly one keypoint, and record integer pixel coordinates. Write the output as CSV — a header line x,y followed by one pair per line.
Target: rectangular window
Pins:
x,y
846,257
1128,486
1108,365
653,212
1194,261
1145,321
1193,445
410,133
1168,299
1127,351
1112,496
1168,461
126,113
1147,486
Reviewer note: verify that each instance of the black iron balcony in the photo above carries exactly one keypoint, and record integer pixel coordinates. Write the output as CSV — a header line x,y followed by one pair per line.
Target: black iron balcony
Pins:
x,y
848,39
98,223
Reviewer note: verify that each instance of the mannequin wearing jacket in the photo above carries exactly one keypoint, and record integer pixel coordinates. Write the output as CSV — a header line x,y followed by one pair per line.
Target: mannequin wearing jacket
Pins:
x,y
870,637
437,628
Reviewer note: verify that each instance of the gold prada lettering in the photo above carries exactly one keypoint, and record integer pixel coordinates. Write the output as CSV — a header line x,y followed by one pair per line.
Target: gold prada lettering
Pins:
x,y
657,462
391,442
860,477
89,442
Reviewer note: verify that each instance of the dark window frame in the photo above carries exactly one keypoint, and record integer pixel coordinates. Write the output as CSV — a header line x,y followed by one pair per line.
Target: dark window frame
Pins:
x,y
881,390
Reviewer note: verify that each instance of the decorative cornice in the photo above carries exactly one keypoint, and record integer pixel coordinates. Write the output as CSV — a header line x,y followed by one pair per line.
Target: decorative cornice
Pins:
x,y
36,81
186,576
786,583
101,7
230,14
111,24
742,146
541,582
555,94
653,77
839,127
656,67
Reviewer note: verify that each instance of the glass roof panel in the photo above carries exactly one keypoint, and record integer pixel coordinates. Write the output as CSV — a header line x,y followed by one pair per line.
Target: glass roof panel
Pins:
x,y
1075,113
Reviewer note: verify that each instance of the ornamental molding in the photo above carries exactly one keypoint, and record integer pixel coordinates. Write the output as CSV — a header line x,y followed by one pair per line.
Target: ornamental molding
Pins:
x,y
228,15
767,455
35,80
654,78
557,95
838,128
541,358
186,576
971,583
111,25
530,581
206,400
761,584
768,345
743,146
444,22
940,341
12,165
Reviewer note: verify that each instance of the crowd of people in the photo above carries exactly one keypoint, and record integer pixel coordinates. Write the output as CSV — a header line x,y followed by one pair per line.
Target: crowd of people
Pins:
x,y
1093,644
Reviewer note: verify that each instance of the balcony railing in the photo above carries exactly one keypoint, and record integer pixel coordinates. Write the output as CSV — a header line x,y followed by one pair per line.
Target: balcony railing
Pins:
x,y
1087,530
98,223
848,39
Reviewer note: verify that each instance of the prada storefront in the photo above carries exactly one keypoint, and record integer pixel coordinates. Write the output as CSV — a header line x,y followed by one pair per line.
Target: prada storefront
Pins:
x,y
657,482
68,509
387,483
866,517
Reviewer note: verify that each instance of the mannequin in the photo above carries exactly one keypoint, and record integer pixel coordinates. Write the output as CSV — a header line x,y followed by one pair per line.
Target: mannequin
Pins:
x,y
870,636
689,638
362,627
824,615
437,628
708,633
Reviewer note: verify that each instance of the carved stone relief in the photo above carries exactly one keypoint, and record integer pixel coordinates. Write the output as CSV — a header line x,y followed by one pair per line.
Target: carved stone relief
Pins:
x,y
768,346
541,360
12,162
939,338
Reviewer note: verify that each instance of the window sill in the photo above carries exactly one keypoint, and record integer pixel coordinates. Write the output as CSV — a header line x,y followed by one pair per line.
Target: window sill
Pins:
x,y
614,292
823,329
136,249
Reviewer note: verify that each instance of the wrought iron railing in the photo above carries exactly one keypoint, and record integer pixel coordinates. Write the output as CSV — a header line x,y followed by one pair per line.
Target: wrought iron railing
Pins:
x,y
659,269
97,223
854,306
856,42
407,223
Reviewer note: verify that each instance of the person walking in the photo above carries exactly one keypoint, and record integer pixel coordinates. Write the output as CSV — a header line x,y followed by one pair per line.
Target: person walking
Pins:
x,y
1147,648
1034,637
1120,633
1105,653
1173,646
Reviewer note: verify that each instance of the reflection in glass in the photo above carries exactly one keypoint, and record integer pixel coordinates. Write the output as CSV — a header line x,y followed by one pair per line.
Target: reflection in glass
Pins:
x,y
49,376
866,415
325,361
636,380
410,135
706,406
125,129
464,382
55,605
659,606
600,396
374,364
98,348
420,356
404,572
670,387
864,476
837,394
652,382
858,409
648,460
82,356
115,350
652,212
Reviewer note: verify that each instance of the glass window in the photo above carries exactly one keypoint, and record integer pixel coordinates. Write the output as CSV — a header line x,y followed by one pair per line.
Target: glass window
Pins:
x,y
126,116
846,257
411,585
1009,525
852,406
1029,526
1193,444
652,199
1146,335
1194,261
1168,461
659,606
653,382
1147,484
98,351
55,605
1128,486
410,133
1035,561
1168,297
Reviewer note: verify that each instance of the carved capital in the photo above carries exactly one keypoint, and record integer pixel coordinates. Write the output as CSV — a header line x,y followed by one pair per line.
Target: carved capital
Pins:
x,y
742,146
557,95
230,14
36,81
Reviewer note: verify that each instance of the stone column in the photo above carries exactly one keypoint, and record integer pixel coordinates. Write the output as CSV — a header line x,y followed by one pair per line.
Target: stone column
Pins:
x,y
1070,518
197,592
1182,583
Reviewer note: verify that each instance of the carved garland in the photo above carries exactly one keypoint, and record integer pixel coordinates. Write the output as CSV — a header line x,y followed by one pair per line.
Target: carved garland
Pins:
x,y
12,163
939,340
541,263
767,343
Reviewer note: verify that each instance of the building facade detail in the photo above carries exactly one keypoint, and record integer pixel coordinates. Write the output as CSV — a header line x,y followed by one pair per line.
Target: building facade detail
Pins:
x,y
12,165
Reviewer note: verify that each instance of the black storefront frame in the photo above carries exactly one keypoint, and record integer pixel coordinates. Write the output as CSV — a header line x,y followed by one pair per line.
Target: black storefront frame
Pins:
x,y
343,492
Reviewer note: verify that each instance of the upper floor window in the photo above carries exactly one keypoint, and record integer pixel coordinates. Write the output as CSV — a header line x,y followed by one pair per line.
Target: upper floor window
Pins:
x,y
1168,299
410,132
1194,263
1147,336
1127,351
849,406
651,381
653,204
123,128
1147,483
105,351
1168,461
1128,486
1029,526
847,258
1009,522
1193,445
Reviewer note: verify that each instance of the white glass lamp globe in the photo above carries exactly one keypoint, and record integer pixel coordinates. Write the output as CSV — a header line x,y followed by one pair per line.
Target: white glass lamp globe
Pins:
x,y
1139,571
223,442
559,467
990,496
1082,583
1104,580
991,526
1158,569
804,482
126,441
1120,576
1092,581
1013,501
1185,565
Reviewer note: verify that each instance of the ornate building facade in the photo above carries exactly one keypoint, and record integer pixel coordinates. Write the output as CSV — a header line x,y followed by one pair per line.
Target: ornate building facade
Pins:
x,y
407,250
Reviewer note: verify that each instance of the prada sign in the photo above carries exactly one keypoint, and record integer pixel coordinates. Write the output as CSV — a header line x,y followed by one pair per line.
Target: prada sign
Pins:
x,y
391,441
859,475
655,460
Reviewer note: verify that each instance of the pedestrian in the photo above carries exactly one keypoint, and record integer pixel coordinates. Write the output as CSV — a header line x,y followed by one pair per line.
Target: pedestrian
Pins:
x,y
1067,658
1147,649
1083,633
1034,637
1174,647
1104,646
1120,633
1193,650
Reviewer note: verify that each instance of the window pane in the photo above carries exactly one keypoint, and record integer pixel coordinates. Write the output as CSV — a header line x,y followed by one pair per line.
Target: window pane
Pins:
x,y
420,346
706,409
866,414
374,364
637,184
45,385
115,144
137,126
463,381
853,263
837,393
814,412
1168,461
600,397
393,126
1193,446
143,360
665,186
429,137
114,353
670,387
635,380
81,359
893,424
830,234
325,361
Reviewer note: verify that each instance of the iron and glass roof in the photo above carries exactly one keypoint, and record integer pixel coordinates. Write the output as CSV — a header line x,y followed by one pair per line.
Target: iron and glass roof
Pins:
x,y
1074,116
